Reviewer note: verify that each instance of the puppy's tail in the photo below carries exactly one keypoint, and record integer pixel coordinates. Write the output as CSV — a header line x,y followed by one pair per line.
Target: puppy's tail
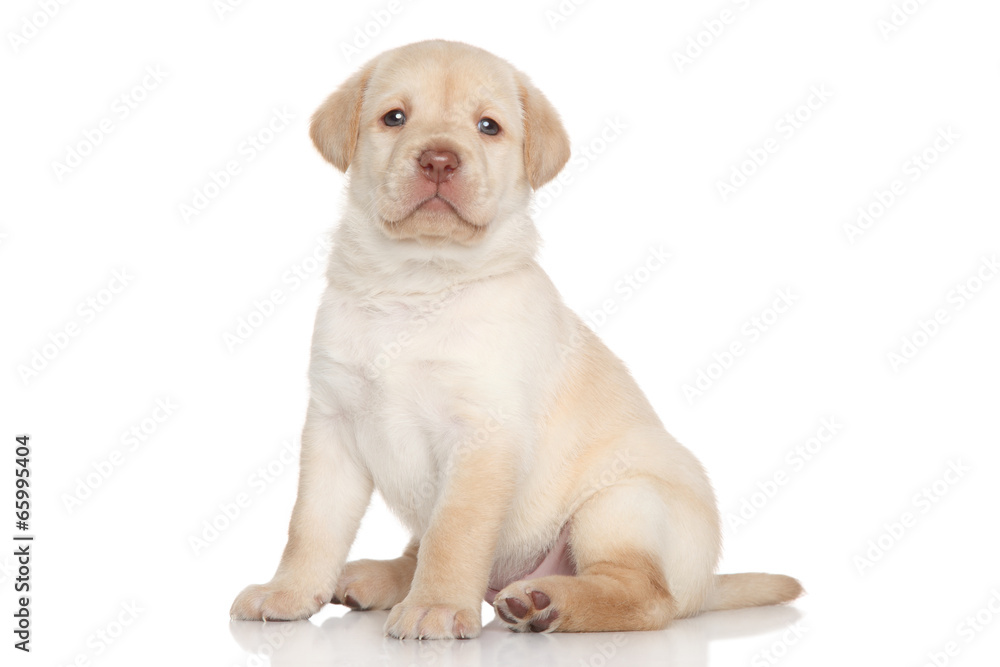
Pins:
x,y
751,589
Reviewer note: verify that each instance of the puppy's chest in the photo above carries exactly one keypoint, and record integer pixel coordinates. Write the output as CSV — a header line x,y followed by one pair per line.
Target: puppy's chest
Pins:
x,y
395,355
396,373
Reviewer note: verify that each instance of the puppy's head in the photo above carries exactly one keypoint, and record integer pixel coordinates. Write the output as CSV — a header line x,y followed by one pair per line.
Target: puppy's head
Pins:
x,y
443,141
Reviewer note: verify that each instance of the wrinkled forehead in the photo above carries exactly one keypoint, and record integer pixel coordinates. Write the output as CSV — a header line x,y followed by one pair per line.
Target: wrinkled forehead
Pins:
x,y
444,82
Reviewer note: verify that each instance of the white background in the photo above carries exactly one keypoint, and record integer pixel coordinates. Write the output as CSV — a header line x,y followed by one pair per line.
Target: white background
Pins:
x,y
672,131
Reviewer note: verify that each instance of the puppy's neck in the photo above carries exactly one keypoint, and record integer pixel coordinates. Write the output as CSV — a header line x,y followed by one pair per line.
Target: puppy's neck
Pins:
x,y
365,261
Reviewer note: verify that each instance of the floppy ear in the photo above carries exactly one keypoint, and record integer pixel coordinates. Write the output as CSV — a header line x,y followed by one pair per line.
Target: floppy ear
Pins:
x,y
546,144
337,122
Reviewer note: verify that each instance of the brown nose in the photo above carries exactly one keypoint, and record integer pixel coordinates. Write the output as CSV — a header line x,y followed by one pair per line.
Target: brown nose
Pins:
x,y
438,166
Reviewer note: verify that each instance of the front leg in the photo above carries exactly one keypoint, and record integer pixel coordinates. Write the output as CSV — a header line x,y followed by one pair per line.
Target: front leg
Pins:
x,y
334,491
456,552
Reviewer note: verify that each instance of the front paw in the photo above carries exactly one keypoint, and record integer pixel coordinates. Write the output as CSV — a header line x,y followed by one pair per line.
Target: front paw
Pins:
x,y
412,620
272,602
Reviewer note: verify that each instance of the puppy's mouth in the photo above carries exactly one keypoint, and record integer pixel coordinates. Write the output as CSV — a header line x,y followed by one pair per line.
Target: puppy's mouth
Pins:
x,y
434,220
438,203
435,207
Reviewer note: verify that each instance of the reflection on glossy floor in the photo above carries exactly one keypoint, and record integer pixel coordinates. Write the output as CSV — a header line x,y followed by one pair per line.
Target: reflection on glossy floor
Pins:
x,y
356,639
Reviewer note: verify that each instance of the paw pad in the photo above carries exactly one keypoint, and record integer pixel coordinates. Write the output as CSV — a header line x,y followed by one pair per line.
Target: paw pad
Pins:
x,y
532,612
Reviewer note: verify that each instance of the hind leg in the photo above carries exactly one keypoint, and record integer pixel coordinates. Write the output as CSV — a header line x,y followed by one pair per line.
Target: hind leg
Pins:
x,y
377,584
644,554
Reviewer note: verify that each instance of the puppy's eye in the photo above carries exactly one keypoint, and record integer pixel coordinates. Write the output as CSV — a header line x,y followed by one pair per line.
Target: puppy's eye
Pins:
x,y
394,118
488,126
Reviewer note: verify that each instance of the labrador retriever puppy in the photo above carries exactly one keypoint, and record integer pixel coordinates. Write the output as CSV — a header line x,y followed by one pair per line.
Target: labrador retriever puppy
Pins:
x,y
447,373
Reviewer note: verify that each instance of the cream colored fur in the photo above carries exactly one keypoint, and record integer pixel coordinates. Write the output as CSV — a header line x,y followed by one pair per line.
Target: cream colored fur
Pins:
x,y
448,374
